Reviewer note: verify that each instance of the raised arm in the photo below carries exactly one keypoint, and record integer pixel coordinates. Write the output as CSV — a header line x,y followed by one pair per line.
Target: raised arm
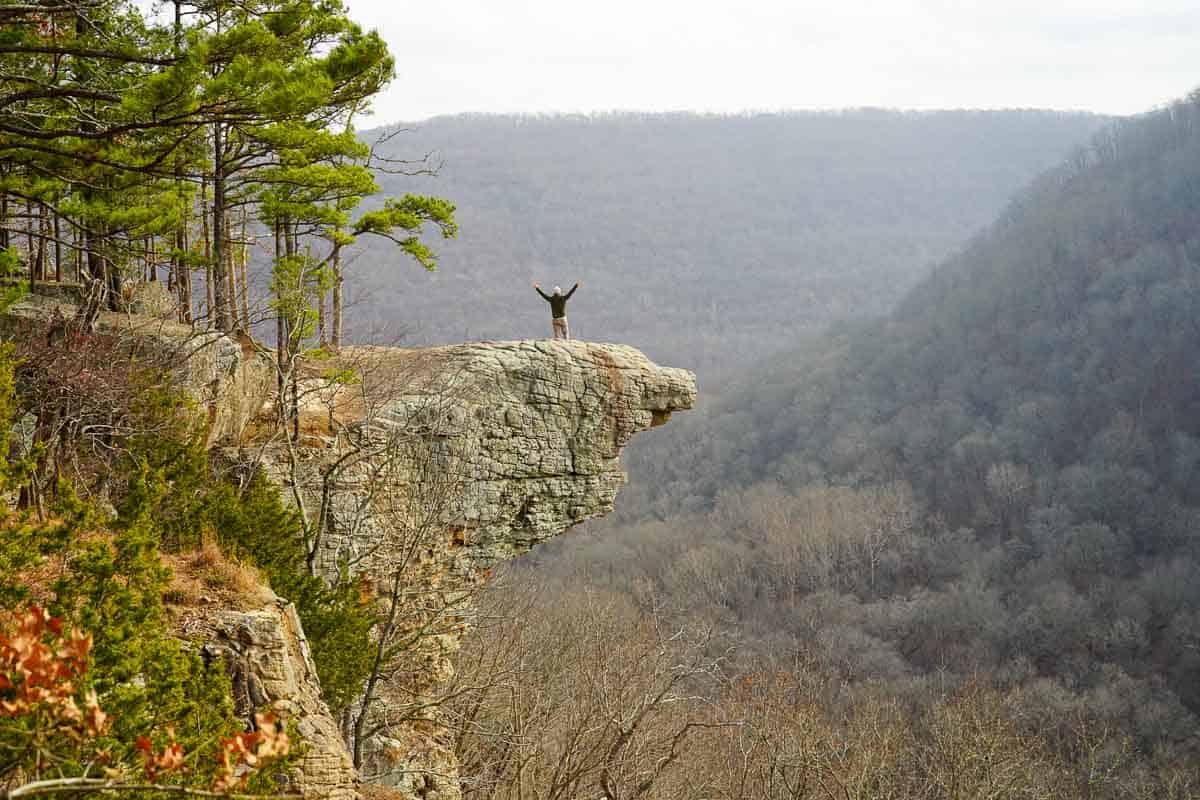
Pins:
x,y
568,294
545,296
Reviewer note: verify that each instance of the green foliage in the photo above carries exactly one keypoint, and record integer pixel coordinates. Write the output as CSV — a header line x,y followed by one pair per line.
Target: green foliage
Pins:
x,y
10,267
338,623
346,377
408,214
294,283
109,584
109,580
170,483
255,524
114,590
256,100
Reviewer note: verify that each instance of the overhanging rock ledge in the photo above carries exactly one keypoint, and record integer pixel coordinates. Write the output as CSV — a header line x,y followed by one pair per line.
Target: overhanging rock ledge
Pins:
x,y
532,432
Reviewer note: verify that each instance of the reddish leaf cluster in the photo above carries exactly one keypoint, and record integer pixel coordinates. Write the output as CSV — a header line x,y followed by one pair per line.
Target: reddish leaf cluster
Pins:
x,y
40,665
168,760
244,753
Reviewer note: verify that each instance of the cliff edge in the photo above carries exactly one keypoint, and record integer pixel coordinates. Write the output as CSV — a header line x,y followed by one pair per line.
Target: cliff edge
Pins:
x,y
527,434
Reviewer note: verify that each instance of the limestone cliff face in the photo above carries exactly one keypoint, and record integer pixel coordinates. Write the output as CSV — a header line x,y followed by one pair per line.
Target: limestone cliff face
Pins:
x,y
266,654
513,441
431,465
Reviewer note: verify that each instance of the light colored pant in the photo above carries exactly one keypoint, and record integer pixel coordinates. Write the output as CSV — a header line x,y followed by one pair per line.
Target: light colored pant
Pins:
x,y
561,331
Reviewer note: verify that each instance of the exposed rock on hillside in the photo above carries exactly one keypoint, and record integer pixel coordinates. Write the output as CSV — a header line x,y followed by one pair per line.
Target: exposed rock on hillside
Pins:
x,y
528,432
267,657
229,379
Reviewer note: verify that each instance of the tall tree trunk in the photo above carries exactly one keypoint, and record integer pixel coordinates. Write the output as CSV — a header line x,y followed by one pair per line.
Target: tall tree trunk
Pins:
x,y
322,334
220,236
187,277
183,274
210,310
231,283
293,330
243,266
335,341
58,249
180,271
30,250
3,215
281,359
97,296
173,265
116,282
77,238
43,246
99,288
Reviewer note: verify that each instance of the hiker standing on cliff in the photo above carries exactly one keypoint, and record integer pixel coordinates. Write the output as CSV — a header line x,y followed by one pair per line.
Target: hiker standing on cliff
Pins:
x,y
558,309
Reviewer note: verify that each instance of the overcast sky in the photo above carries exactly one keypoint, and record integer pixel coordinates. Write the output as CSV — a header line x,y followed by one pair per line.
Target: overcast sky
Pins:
x,y
572,55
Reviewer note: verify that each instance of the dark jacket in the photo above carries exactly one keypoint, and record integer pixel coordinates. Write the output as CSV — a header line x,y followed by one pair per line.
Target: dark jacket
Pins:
x,y
558,302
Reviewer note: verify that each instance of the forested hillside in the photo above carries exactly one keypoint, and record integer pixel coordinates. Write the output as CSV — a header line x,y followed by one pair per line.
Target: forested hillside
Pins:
x,y
997,485
707,241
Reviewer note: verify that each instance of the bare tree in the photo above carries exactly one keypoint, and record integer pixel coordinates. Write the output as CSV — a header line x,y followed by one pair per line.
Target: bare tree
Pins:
x,y
592,699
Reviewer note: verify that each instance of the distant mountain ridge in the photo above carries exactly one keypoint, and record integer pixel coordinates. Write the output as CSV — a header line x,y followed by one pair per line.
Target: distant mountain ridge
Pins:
x,y
707,240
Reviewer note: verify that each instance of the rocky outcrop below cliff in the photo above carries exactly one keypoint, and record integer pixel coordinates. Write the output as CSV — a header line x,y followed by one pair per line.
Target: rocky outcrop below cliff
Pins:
x,y
264,650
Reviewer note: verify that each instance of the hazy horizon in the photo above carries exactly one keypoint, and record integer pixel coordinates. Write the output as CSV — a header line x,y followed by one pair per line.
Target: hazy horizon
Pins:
x,y
600,113
536,56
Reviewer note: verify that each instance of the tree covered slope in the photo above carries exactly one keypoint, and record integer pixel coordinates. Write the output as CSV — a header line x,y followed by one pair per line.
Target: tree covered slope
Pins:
x,y
1061,338
998,483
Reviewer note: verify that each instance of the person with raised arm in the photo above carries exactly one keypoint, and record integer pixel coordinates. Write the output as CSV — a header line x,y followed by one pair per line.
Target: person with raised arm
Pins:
x,y
558,309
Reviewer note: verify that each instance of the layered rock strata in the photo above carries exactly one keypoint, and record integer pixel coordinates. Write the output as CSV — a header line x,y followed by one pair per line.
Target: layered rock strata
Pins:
x,y
271,669
514,442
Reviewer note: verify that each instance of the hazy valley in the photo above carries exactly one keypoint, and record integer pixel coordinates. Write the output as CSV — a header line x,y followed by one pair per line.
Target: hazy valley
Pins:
x,y
709,241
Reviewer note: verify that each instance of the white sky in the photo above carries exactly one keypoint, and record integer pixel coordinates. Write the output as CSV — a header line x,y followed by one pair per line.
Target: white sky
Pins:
x,y
589,55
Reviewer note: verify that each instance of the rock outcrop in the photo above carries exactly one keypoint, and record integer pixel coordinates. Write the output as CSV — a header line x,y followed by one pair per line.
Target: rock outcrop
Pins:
x,y
230,379
270,668
432,465
529,434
